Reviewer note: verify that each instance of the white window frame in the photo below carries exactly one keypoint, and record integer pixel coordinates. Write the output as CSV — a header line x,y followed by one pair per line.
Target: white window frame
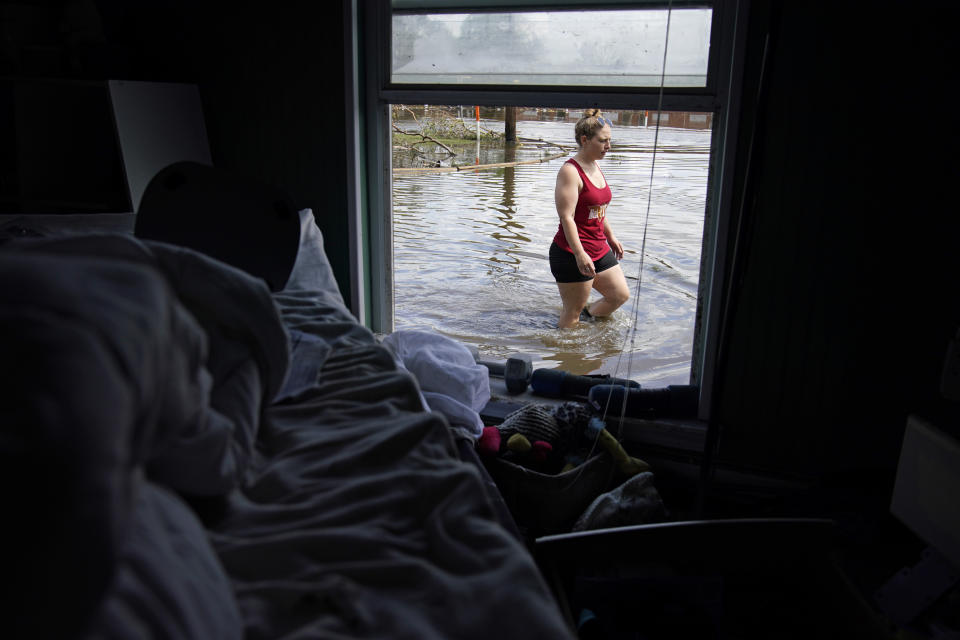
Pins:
x,y
370,94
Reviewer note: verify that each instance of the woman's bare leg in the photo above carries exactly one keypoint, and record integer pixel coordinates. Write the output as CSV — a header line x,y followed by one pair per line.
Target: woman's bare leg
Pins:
x,y
612,285
574,296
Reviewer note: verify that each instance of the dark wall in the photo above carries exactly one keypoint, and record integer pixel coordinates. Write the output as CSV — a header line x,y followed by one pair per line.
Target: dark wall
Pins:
x,y
272,88
847,294
271,77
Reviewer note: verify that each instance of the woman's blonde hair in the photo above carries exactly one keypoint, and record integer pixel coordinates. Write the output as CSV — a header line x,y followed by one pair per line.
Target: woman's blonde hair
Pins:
x,y
589,123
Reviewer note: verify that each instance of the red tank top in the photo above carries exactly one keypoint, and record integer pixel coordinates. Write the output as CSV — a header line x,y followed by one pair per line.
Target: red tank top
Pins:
x,y
588,216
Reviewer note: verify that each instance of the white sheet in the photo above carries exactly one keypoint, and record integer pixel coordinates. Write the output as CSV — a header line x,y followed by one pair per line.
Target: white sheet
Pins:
x,y
453,383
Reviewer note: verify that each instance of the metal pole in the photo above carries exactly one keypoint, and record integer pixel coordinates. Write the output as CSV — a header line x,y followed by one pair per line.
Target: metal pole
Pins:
x,y
477,109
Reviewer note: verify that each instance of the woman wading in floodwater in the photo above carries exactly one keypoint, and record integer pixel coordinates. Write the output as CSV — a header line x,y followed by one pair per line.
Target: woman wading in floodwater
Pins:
x,y
585,252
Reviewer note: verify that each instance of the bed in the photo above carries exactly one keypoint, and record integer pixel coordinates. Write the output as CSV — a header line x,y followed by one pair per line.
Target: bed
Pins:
x,y
191,451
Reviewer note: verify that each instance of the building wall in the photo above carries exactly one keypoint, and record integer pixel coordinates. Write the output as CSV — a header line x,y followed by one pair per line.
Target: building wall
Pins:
x,y
679,119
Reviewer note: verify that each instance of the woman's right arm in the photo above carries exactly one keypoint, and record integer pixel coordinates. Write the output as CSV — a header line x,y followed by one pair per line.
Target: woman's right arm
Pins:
x,y
566,194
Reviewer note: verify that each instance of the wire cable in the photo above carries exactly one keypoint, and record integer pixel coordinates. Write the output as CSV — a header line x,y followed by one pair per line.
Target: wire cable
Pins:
x,y
632,331
631,336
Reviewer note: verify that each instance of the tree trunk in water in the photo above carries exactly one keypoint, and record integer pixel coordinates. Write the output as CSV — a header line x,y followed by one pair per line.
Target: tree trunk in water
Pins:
x,y
510,124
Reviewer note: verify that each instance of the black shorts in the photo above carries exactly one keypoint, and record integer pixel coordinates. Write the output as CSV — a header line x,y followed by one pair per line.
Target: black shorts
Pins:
x,y
563,264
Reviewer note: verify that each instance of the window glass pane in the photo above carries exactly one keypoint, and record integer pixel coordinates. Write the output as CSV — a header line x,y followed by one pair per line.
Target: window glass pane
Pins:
x,y
473,221
567,48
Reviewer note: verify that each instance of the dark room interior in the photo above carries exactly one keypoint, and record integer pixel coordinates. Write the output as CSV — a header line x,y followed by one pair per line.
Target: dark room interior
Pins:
x,y
840,310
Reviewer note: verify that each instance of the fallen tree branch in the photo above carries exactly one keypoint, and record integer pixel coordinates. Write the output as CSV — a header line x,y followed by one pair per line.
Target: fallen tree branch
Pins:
x,y
541,140
410,111
425,137
468,167
413,149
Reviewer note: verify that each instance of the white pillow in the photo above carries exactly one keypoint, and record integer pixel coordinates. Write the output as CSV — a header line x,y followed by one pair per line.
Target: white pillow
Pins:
x,y
312,271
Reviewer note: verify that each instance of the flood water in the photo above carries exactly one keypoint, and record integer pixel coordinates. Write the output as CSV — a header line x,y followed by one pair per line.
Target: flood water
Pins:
x,y
471,254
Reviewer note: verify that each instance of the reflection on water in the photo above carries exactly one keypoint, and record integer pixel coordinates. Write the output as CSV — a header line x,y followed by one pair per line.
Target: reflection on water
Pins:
x,y
471,255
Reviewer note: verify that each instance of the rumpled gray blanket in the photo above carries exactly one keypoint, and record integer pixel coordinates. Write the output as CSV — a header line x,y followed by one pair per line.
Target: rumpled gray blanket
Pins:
x,y
109,408
190,457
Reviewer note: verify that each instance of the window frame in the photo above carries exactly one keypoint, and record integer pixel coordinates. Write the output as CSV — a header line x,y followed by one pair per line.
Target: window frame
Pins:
x,y
368,127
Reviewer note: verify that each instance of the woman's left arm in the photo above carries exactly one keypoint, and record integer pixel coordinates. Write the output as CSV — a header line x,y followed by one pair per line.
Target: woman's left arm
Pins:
x,y
612,239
